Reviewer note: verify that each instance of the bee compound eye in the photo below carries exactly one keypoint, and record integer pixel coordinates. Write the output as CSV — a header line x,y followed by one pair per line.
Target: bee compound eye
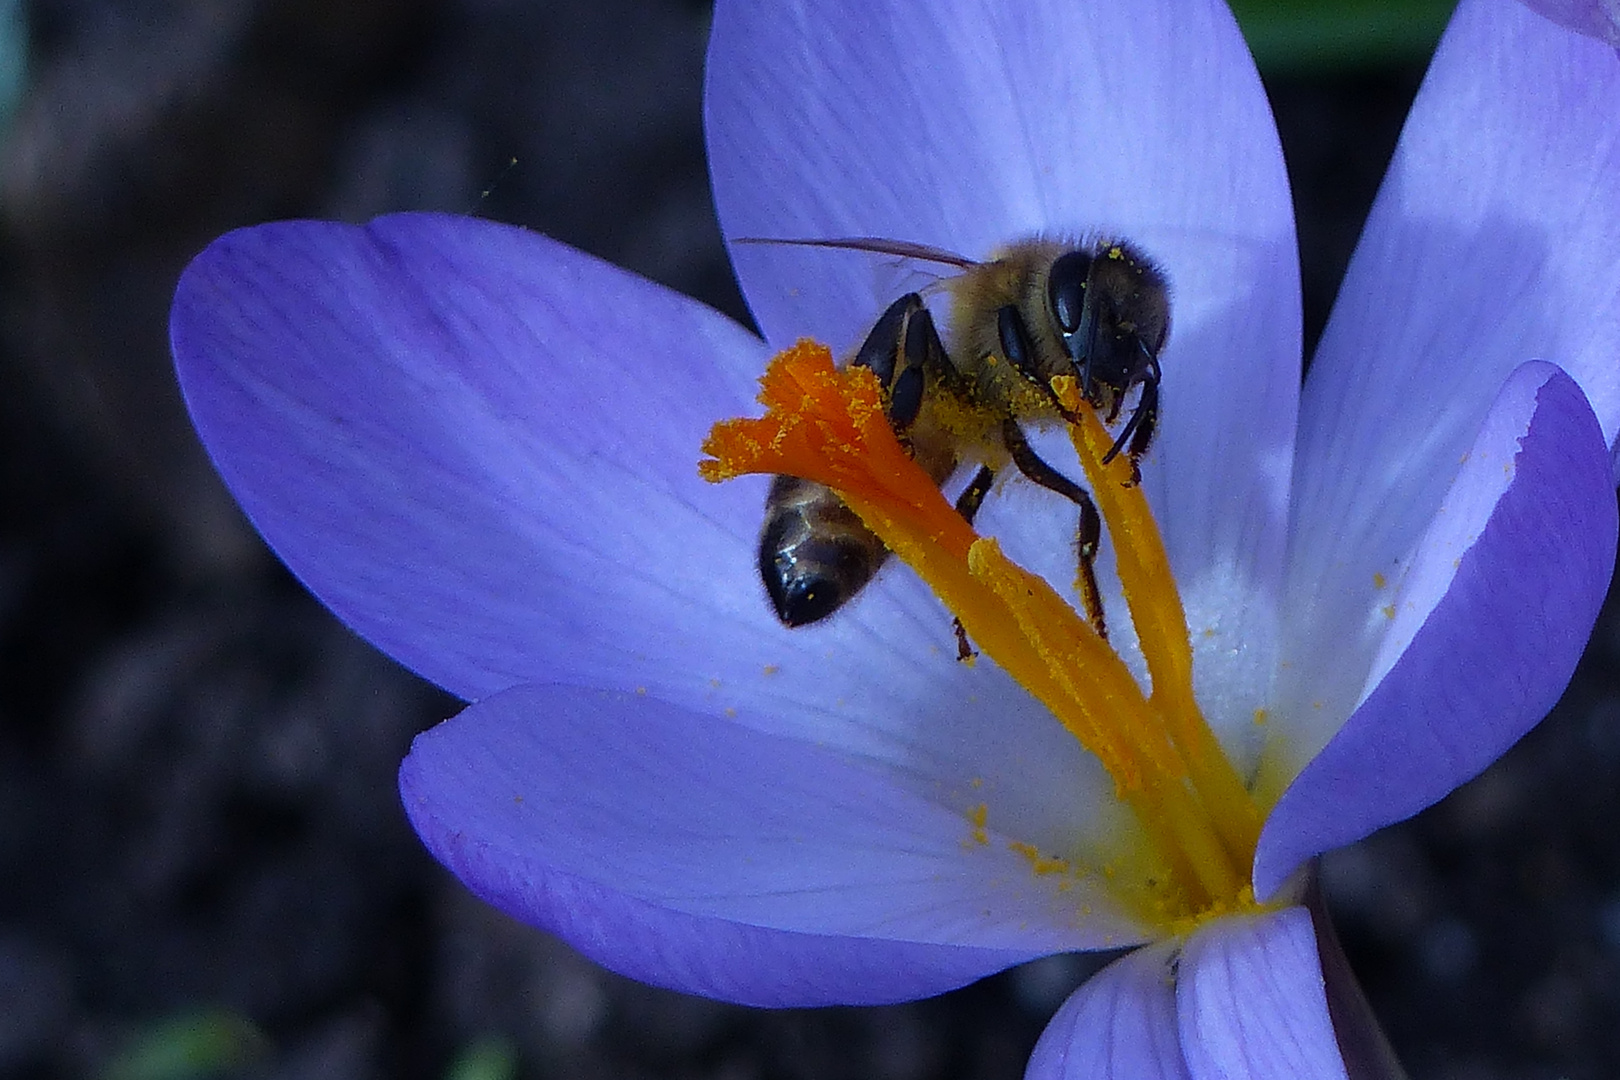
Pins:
x,y
1066,289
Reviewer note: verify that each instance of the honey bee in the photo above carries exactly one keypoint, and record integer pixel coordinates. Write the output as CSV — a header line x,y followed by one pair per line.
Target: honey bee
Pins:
x,y
1098,311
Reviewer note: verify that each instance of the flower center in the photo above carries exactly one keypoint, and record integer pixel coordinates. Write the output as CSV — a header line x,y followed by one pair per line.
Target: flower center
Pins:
x,y
829,426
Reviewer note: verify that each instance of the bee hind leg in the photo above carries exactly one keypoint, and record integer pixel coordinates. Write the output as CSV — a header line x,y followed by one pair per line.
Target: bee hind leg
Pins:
x,y
1088,535
815,554
880,350
902,349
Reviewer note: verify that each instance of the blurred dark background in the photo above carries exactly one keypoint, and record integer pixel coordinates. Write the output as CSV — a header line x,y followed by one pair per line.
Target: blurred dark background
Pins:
x,y
203,868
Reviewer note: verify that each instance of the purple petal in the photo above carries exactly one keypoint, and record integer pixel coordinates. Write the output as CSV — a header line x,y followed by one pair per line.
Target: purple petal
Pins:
x,y
732,961
1495,240
1251,1001
1517,597
705,819
1120,1025
465,437
969,125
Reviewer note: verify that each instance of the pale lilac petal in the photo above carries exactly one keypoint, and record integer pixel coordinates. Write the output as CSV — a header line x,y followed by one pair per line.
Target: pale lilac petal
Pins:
x,y
711,820
968,125
1251,1001
1517,595
1120,1025
466,438
1251,998
1495,240
971,124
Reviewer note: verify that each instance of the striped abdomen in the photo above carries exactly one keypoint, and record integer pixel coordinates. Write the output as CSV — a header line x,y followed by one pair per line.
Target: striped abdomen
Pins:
x,y
814,553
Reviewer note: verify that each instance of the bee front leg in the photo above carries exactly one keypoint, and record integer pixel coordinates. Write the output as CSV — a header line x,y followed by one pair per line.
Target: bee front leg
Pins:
x,y
1139,429
1088,536
1147,420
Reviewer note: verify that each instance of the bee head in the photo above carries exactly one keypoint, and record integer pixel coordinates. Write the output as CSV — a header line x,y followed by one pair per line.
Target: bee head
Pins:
x,y
1111,309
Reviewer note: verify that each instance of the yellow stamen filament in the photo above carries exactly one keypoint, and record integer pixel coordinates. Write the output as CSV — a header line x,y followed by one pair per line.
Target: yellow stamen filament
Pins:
x,y
1161,626
829,426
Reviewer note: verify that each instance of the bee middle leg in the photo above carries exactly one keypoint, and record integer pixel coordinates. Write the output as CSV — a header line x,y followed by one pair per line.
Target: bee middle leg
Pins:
x,y
1088,536
967,504
972,497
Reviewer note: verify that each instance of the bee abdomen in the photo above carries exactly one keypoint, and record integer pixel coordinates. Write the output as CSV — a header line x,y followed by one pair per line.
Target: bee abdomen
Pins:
x,y
814,553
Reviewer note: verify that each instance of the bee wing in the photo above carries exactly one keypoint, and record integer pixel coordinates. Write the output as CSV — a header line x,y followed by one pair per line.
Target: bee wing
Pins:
x,y
878,245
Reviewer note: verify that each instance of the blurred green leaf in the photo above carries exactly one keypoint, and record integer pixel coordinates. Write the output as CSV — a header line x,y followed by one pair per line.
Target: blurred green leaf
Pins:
x,y
490,1058
1295,36
188,1048
13,59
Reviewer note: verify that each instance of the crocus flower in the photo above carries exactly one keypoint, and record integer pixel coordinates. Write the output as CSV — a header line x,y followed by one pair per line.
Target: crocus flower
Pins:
x,y
480,448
